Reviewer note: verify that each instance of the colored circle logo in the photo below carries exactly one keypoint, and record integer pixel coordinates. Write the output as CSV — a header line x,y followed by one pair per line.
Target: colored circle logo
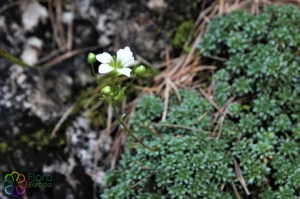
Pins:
x,y
14,184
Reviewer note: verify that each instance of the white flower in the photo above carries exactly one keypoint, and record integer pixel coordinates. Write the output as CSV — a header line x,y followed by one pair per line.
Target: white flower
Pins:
x,y
123,61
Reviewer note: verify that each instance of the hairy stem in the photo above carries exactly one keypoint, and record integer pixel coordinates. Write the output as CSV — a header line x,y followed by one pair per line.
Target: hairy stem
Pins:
x,y
128,130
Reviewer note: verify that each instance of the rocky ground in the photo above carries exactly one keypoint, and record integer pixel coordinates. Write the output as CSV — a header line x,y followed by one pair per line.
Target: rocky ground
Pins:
x,y
54,35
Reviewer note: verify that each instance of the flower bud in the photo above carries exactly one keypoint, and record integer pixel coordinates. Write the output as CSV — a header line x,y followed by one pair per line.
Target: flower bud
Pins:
x,y
120,95
91,59
141,70
106,90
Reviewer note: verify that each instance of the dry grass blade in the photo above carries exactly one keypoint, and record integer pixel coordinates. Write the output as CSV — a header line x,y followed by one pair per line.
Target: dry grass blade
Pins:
x,y
221,7
53,25
235,191
68,55
222,118
61,121
176,64
59,25
138,182
167,79
176,90
179,127
70,31
69,111
103,135
109,119
203,67
166,102
217,58
240,176
48,57
143,60
116,146
10,5
212,102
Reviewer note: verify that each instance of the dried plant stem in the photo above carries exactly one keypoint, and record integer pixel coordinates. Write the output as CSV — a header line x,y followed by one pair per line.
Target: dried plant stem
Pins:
x,y
180,127
137,183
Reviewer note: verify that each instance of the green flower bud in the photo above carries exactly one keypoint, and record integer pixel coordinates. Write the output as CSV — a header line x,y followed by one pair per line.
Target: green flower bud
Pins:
x,y
120,95
91,59
106,90
141,70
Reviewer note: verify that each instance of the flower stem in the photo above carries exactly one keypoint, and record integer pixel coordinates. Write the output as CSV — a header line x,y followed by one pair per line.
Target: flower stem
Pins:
x,y
95,75
128,130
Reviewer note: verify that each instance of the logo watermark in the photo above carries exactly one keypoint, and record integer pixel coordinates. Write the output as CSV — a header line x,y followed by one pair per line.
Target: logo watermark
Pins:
x,y
16,184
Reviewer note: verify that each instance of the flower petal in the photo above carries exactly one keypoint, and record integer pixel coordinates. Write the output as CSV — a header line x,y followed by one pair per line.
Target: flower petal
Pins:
x,y
105,68
125,71
104,58
124,55
128,63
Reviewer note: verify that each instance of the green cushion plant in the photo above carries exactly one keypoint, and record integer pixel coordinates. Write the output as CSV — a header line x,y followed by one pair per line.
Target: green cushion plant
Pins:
x,y
261,131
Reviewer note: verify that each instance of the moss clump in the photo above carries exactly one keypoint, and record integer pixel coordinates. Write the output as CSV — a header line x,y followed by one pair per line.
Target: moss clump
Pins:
x,y
261,130
263,74
188,163
182,34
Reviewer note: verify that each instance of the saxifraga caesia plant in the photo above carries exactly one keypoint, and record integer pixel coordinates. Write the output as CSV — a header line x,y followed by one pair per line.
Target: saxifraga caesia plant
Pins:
x,y
257,152
113,93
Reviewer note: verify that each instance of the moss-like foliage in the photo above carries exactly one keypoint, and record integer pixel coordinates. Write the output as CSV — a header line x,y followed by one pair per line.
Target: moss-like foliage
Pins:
x,y
187,164
182,33
261,130
263,73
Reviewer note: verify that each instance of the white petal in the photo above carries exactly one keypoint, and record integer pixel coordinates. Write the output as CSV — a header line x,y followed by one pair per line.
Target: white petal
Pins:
x,y
124,55
127,48
105,68
125,71
104,58
128,63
